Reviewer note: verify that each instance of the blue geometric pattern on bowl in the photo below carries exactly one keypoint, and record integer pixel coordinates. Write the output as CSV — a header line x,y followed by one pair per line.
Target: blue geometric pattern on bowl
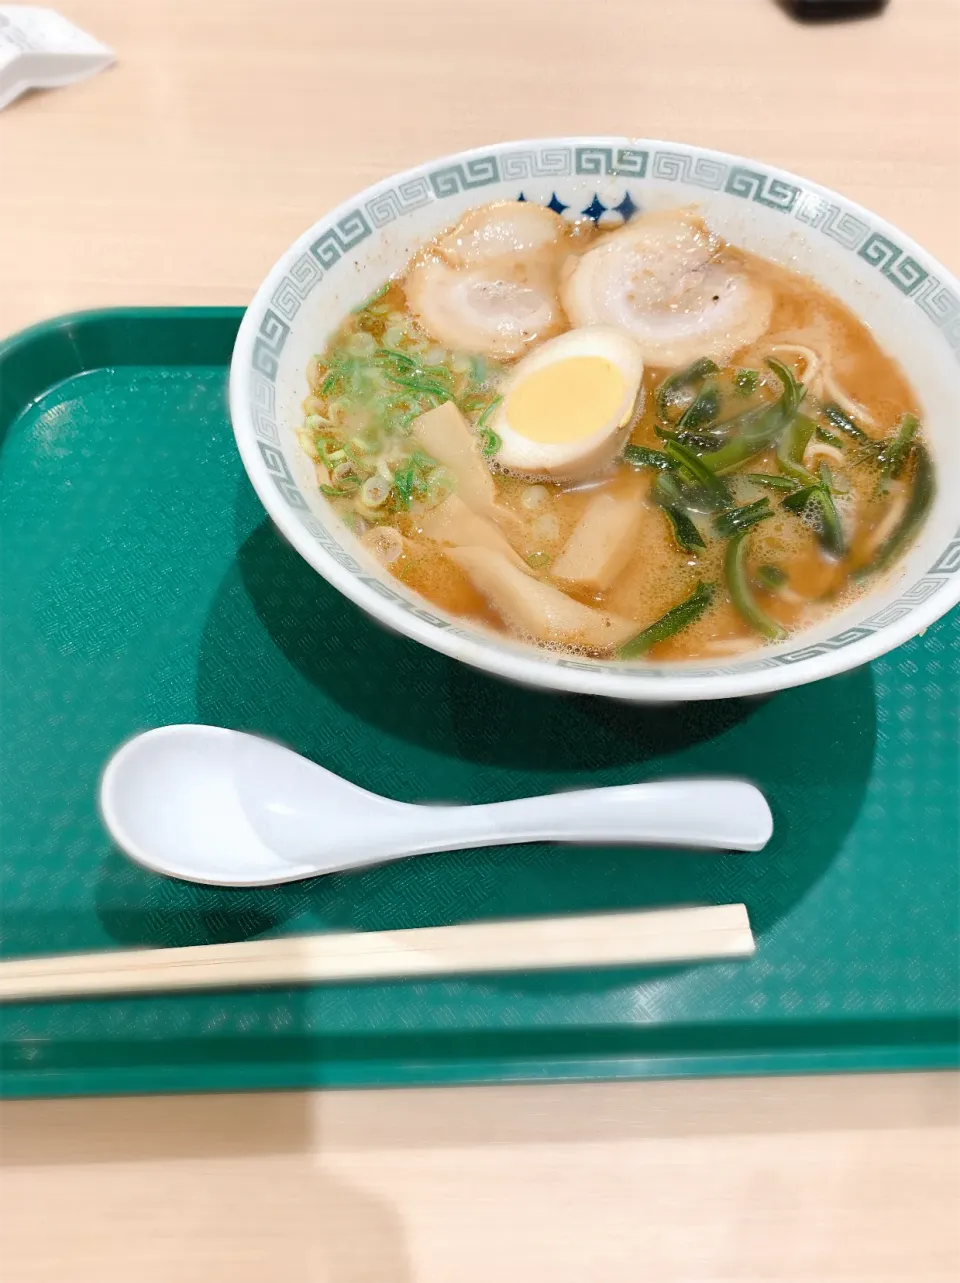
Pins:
x,y
904,273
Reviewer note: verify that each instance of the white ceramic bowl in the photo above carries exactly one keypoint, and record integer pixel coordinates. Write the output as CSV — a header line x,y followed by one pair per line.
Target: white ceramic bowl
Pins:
x,y
906,297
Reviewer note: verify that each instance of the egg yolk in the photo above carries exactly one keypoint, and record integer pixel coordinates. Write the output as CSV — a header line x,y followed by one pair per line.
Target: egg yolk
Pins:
x,y
566,400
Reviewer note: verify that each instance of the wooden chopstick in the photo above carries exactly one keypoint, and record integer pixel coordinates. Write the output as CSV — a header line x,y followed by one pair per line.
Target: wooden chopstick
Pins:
x,y
602,940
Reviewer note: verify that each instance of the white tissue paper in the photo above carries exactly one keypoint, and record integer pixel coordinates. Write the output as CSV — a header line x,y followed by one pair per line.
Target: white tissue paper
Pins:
x,y
41,50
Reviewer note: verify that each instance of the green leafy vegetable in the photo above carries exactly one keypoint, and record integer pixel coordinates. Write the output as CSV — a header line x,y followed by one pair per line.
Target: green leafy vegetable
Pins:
x,y
795,439
671,390
685,532
713,488
831,438
673,497
746,382
704,409
788,380
735,521
830,528
921,499
669,491
797,501
681,616
841,420
641,456
760,428
819,500
756,436
893,453
769,480
735,570
771,577
699,442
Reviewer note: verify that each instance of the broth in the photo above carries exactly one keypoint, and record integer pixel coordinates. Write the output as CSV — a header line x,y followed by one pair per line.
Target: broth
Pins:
x,y
712,560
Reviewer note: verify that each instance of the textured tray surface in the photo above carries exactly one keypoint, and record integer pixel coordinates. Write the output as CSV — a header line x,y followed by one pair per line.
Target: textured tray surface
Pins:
x,y
143,585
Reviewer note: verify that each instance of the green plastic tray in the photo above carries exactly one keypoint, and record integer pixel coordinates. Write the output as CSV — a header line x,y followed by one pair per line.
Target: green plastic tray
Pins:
x,y
143,584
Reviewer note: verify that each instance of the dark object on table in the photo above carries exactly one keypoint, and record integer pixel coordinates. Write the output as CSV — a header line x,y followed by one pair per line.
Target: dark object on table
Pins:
x,y
832,10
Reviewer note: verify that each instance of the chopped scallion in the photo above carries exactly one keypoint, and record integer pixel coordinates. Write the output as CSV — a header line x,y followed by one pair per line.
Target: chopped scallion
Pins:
x,y
481,422
490,443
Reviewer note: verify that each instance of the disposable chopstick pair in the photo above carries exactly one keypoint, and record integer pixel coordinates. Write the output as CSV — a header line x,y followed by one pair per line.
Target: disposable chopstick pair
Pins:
x,y
533,944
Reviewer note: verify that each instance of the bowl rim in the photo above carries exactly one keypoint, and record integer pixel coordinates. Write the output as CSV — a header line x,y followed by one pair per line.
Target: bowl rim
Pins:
x,y
526,664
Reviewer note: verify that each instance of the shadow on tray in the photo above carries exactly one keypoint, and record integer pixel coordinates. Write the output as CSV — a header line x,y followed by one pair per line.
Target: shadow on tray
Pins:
x,y
284,654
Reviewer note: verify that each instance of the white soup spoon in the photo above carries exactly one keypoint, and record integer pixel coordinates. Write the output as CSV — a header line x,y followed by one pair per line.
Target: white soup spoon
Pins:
x,y
211,805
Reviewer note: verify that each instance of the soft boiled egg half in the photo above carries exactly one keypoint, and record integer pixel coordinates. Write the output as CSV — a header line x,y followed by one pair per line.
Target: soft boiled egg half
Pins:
x,y
568,405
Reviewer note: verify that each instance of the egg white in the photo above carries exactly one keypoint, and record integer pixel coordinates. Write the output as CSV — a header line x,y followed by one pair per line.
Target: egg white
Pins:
x,y
585,455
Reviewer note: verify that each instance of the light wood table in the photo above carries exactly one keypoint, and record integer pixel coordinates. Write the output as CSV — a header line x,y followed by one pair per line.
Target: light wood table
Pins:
x,y
225,129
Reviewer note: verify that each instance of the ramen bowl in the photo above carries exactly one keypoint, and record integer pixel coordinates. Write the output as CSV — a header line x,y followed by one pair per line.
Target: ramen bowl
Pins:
x,y
909,301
